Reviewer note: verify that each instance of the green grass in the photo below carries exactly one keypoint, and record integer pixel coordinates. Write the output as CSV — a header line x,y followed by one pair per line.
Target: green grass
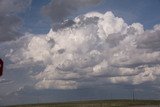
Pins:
x,y
101,103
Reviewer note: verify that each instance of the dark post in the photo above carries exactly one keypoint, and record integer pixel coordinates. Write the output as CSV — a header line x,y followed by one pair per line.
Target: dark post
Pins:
x,y
1,67
133,96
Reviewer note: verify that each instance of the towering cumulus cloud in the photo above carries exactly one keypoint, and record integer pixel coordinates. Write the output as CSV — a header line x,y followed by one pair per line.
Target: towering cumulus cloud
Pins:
x,y
99,49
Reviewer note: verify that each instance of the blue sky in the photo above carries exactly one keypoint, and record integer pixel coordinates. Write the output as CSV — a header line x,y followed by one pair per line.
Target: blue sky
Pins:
x,y
65,50
143,11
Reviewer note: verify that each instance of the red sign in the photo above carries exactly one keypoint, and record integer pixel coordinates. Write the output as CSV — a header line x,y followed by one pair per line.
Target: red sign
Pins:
x,y
1,67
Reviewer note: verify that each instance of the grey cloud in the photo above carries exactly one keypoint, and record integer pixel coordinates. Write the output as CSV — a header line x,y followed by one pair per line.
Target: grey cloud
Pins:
x,y
64,24
150,40
144,50
14,6
58,10
114,39
9,27
10,23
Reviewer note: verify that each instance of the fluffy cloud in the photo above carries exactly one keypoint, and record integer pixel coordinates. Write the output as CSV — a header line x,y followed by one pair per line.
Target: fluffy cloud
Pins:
x,y
97,49
9,21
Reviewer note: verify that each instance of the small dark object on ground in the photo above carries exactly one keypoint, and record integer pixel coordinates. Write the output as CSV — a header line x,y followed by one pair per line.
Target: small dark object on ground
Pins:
x,y
1,67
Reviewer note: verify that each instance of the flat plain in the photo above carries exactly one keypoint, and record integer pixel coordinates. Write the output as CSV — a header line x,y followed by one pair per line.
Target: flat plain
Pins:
x,y
99,103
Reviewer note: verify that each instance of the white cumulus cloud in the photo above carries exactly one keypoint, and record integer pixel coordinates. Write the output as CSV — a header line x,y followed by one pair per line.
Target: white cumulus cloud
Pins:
x,y
97,49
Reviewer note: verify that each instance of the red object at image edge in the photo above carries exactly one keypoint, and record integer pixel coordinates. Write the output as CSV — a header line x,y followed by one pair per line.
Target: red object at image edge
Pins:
x,y
1,67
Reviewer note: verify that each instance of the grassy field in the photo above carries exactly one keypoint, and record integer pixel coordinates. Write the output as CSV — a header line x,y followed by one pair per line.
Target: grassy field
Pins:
x,y
102,103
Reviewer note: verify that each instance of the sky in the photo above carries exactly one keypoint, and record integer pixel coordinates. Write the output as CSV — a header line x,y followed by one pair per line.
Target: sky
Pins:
x,y
71,50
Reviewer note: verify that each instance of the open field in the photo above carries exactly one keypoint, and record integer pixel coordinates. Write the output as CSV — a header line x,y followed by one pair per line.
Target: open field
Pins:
x,y
102,103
